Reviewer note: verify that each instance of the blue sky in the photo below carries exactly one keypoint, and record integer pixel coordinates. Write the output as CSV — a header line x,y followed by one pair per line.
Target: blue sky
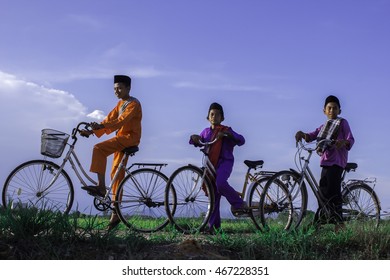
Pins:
x,y
270,64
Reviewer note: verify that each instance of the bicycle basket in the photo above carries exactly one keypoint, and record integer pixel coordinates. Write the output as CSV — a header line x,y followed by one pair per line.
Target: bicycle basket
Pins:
x,y
53,142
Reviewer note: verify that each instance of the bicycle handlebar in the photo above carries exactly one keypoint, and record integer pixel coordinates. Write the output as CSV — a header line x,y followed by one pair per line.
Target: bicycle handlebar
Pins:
x,y
78,130
306,148
211,142
208,143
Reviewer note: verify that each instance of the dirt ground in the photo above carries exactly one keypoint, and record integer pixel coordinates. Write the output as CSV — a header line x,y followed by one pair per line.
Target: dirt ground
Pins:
x,y
187,249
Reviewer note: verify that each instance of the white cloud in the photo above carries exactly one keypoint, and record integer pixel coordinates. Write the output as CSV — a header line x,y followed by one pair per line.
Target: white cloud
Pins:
x,y
29,104
26,108
97,114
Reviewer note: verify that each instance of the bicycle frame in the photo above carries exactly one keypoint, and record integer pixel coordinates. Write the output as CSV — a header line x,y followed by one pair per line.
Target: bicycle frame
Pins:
x,y
307,174
250,178
368,181
81,174
68,157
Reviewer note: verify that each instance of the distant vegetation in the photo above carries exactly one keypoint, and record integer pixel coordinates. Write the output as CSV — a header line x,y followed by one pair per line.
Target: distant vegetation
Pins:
x,y
30,234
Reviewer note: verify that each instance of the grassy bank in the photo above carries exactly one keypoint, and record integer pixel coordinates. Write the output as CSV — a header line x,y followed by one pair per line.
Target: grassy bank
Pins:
x,y
30,234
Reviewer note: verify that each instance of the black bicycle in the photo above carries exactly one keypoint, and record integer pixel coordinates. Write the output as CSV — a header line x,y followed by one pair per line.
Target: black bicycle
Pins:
x,y
360,202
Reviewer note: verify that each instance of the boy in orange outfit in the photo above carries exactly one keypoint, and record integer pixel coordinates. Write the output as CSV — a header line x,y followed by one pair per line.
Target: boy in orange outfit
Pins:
x,y
125,120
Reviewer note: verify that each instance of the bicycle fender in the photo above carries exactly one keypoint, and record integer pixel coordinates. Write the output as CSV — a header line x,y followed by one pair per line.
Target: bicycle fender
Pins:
x,y
194,166
295,172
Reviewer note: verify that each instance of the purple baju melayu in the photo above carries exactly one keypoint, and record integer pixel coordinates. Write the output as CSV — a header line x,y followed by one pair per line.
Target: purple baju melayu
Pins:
x,y
223,170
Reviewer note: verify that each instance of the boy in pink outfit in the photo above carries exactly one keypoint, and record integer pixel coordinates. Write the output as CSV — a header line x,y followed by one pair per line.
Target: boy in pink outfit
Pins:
x,y
333,158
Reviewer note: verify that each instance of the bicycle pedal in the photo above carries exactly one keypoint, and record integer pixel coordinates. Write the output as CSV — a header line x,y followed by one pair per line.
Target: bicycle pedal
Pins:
x,y
94,195
241,214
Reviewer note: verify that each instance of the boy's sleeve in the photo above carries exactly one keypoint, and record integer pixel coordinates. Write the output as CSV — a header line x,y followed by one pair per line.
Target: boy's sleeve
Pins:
x,y
111,116
240,140
313,135
202,136
348,133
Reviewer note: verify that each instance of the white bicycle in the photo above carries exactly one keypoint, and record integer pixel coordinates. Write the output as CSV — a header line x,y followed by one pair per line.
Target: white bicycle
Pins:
x,y
45,185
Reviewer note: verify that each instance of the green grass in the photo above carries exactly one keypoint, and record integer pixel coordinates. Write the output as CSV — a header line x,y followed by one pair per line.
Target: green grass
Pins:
x,y
30,234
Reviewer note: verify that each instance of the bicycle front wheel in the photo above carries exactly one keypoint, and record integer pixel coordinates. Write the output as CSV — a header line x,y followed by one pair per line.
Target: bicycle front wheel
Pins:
x,y
38,184
296,188
284,200
140,200
254,201
189,198
360,205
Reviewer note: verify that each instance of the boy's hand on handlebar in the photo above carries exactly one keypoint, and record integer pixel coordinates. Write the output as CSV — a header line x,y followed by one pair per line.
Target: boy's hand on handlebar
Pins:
x,y
96,126
222,134
86,133
226,134
341,143
196,139
299,136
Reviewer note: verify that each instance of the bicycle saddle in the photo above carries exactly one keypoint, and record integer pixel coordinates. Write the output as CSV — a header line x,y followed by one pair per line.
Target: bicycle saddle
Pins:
x,y
254,163
351,166
130,151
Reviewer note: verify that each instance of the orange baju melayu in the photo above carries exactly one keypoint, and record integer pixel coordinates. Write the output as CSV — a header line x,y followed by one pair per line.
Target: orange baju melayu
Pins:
x,y
127,124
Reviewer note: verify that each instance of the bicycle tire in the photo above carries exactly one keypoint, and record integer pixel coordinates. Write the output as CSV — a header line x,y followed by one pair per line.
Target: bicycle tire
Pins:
x,y
191,202
283,209
140,205
24,186
360,205
254,201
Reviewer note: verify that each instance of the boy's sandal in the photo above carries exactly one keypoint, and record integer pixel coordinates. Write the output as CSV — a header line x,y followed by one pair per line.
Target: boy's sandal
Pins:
x,y
113,224
244,209
94,191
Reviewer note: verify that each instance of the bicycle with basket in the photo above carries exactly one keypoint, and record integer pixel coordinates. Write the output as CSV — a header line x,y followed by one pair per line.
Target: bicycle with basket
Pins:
x,y
45,185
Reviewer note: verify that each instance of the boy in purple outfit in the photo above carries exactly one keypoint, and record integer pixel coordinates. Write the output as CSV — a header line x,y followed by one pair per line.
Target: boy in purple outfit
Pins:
x,y
221,155
333,158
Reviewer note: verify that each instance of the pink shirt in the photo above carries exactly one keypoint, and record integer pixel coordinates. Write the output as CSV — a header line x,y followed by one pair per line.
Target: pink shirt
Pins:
x,y
334,156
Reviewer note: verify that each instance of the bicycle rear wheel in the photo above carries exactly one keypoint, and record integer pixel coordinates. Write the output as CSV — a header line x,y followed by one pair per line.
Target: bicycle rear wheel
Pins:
x,y
360,205
140,200
190,204
28,184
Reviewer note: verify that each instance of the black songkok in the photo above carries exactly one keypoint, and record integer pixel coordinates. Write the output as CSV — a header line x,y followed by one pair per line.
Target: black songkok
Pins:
x,y
332,98
122,79
216,106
